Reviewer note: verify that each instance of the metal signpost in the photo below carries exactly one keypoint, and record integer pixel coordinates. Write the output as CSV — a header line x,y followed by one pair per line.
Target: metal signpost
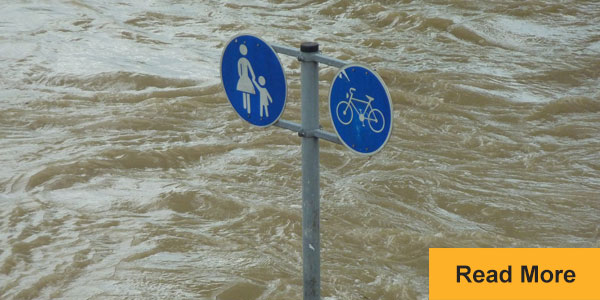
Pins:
x,y
361,112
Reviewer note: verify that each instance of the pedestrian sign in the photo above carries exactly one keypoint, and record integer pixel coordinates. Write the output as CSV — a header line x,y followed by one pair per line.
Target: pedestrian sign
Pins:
x,y
254,80
360,107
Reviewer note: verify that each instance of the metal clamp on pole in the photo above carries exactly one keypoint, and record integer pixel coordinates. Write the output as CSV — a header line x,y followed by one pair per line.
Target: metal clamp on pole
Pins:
x,y
311,245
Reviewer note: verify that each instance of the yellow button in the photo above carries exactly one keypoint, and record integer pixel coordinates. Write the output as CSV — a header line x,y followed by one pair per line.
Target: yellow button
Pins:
x,y
514,273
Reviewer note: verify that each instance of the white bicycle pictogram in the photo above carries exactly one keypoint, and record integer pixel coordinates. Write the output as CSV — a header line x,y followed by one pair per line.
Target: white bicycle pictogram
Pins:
x,y
345,112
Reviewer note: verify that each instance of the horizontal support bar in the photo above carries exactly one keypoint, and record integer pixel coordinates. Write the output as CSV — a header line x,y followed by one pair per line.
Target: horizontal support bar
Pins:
x,y
304,56
288,125
286,50
318,133
326,135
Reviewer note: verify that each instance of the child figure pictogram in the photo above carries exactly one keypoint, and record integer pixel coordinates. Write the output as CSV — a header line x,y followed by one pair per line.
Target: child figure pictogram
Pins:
x,y
265,97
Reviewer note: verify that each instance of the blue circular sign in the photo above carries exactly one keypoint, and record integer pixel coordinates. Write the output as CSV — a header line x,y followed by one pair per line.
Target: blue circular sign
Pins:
x,y
360,107
253,80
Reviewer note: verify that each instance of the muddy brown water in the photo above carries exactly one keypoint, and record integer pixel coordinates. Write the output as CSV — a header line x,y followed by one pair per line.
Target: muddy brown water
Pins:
x,y
127,175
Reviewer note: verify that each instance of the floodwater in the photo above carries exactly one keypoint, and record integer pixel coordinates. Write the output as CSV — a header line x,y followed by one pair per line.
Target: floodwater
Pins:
x,y
127,175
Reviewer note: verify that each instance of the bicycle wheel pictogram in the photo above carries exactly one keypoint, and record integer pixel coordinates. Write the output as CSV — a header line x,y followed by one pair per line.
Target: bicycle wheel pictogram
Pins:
x,y
376,120
344,112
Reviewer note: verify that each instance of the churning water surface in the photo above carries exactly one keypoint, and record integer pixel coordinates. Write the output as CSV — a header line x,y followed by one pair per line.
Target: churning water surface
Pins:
x,y
126,173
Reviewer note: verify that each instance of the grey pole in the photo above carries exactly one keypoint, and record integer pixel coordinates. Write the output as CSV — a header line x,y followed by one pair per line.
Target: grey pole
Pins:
x,y
311,245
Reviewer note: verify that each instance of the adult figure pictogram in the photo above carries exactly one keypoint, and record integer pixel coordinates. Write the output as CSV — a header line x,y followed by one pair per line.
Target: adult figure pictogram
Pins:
x,y
244,84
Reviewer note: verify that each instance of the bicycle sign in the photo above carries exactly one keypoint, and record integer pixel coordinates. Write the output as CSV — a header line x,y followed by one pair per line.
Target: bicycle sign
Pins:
x,y
361,109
